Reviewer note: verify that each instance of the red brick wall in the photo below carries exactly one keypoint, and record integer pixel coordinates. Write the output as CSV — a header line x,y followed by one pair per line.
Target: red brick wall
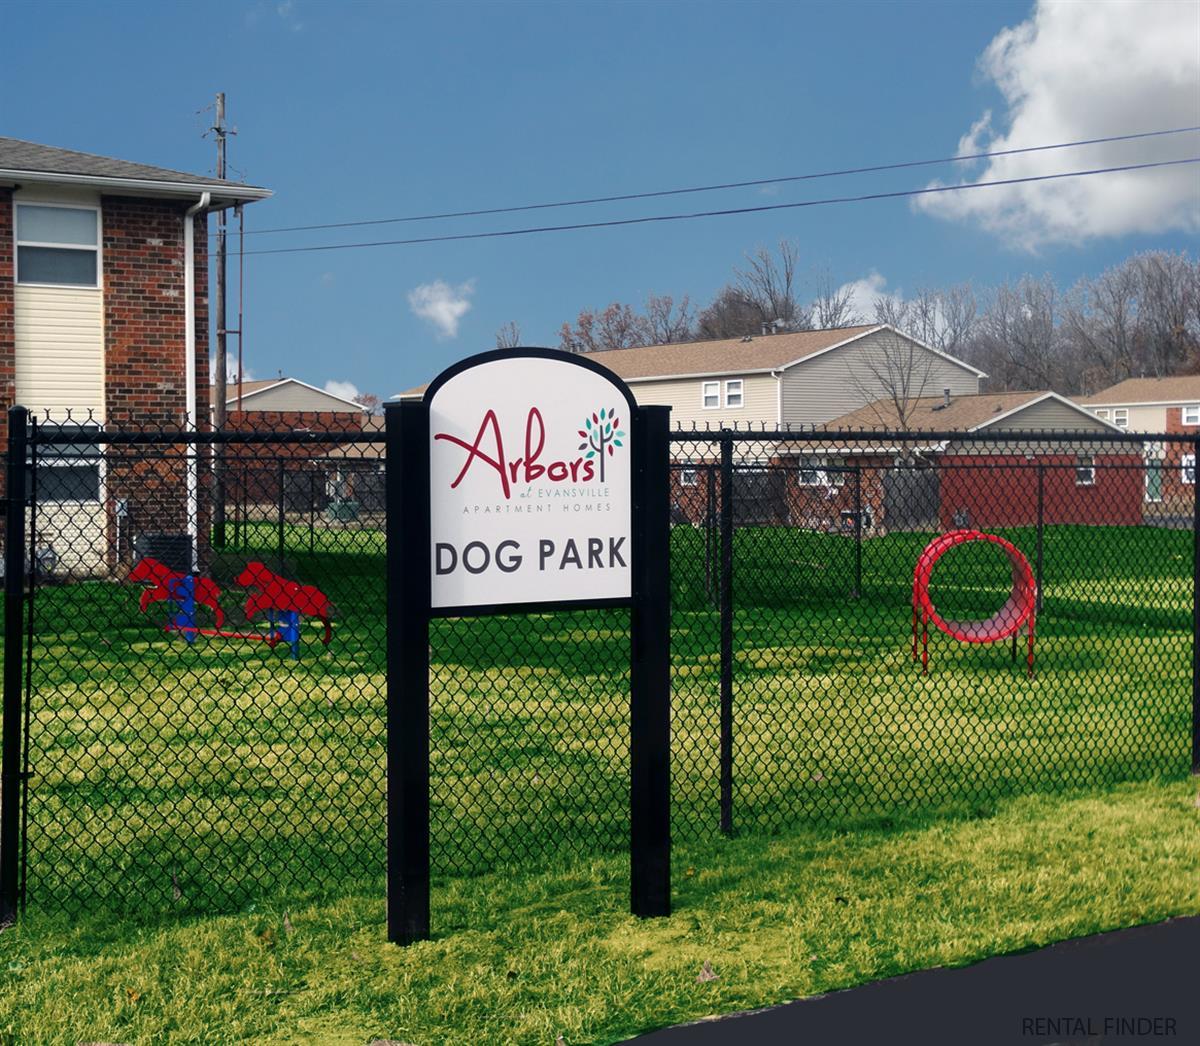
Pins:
x,y
1177,495
144,360
997,496
144,311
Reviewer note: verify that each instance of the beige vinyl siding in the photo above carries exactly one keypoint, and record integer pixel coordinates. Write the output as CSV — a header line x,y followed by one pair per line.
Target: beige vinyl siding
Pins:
x,y
290,397
1049,414
684,397
59,349
78,534
1141,419
841,380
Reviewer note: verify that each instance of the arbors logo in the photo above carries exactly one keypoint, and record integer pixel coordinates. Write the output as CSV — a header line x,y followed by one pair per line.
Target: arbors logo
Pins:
x,y
600,435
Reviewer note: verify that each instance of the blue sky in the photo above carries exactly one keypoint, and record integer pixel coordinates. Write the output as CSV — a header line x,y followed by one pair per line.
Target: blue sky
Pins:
x,y
355,111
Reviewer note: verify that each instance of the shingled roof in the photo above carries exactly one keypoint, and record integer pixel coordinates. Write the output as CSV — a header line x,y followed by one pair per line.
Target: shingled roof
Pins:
x,y
22,161
933,414
690,359
1176,389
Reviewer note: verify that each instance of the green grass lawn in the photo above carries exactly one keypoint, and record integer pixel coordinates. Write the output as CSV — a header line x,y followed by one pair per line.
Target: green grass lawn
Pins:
x,y
526,954
183,798
172,779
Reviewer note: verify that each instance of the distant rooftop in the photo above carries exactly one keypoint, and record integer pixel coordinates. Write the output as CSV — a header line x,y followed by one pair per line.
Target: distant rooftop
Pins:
x,y
1174,389
747,355
22,161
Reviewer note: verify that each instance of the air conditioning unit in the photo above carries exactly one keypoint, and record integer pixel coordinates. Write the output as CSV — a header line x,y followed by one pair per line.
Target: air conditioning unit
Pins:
x,y
172,550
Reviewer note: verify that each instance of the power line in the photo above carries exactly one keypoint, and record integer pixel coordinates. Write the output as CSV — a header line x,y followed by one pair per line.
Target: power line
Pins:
x,y
723,185
729,211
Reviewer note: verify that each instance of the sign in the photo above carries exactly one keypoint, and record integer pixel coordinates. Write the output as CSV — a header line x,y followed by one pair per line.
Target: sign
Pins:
x,y
529,482
523,480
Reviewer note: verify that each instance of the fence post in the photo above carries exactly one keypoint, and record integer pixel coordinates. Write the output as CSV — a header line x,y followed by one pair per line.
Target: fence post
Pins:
x,y
282,518
406,494
14,605
1195,607
650,668
1041,526
858,531
726,616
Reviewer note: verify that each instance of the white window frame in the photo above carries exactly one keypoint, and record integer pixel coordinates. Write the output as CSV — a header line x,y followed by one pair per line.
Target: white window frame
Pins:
x,y
49,456
19,243
819,467
1120,417
740,393
715,386
1085,463
1187,470
1102,412
689,477
1194,410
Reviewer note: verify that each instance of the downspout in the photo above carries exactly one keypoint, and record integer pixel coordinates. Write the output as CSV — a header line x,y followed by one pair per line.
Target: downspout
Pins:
x,y
189,362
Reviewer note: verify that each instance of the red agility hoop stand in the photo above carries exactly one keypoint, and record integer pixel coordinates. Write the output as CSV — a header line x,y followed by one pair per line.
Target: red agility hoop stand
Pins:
x,y
1019,611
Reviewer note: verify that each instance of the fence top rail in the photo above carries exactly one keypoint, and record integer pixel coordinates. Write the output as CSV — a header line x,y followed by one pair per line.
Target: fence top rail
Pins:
x,y
901,436
48,433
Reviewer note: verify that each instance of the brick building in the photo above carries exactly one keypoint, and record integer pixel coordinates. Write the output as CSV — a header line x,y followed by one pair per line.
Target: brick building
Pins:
x,y
825,483
104,321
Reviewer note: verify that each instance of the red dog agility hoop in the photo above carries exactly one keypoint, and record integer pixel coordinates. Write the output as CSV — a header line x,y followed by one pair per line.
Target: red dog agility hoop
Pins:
x,y
1020,609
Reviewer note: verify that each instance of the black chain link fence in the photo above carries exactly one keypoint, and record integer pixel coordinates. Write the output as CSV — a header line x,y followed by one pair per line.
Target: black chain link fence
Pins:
x,y
204,718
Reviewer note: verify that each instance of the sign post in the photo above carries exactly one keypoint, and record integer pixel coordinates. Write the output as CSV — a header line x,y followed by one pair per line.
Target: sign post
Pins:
x,y
526,480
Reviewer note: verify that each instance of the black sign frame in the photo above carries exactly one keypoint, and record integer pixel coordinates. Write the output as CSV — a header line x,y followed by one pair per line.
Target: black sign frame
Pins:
x,y
410,611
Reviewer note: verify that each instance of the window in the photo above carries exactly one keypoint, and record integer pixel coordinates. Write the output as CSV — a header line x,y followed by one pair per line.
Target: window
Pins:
x,y
710,394
1102,412
1187,469
733,392
688,478
822,472
1085,470
1191,414
70,472
58,245
1120,417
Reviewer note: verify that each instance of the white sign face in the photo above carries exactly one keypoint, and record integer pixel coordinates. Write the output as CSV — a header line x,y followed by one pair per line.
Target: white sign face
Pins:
x,y
529,484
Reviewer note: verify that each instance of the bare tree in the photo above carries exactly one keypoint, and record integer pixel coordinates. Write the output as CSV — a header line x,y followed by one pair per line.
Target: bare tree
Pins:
x,y
616,326
509,336
369,402
833,306
891,377
1019,340
768,285
667,322
1167,285
729,315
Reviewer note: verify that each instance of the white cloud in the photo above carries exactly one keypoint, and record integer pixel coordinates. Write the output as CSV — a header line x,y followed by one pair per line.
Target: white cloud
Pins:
x,y
346,389
866,292
231,369
442,305
1086,70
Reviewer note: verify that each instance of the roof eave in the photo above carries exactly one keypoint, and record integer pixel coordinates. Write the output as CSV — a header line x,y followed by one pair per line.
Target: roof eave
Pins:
x,y
228,191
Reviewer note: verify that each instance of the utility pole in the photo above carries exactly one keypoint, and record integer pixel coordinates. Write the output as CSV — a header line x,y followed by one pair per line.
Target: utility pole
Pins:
x,y
219,373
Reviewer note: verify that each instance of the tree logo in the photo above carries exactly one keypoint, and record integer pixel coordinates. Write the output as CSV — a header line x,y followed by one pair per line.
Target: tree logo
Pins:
x,y
600,435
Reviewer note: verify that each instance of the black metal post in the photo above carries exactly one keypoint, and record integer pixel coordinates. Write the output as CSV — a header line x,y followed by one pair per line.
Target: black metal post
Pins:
x,y
858,531
650,667
710,522
408,601
1195,606
1041,525
312,510
14,605
282,519
726,626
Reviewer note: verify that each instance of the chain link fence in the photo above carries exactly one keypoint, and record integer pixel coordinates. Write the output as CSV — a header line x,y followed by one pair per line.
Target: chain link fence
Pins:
x,y
204,639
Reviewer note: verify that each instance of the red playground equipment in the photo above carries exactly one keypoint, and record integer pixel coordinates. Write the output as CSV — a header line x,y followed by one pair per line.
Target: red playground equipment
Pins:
x,y
283,600
1020,609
